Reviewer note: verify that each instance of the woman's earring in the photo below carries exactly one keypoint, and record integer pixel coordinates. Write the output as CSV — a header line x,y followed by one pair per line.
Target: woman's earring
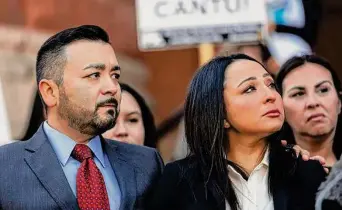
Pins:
x,y
226,124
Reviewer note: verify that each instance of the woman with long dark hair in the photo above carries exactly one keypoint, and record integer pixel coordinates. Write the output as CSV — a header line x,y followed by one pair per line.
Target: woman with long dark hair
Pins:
x,y
135,123
311,92
232,115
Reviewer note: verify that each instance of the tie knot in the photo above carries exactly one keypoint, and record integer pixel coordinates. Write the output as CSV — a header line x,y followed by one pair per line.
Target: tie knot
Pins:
x,y
81,152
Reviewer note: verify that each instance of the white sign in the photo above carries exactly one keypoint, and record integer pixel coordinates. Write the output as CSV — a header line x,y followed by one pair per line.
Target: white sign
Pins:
x,y
167,23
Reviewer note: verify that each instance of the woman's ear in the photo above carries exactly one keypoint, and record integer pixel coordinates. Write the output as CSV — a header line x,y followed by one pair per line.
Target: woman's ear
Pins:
x,y
49,91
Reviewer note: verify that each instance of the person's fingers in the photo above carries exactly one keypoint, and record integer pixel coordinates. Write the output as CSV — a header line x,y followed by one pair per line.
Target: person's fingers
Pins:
x,y
326,170
296,148
319,158
289,148
283,142
305,154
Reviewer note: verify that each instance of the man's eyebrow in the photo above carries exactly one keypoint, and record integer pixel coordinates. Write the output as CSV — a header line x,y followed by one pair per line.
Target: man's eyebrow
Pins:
x,y
116,68
99,66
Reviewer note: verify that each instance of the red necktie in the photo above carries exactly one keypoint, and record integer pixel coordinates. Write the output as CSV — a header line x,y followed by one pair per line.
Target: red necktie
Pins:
x,y
90,187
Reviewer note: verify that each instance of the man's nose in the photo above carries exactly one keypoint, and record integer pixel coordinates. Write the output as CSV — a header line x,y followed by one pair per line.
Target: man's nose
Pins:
x,y
109,86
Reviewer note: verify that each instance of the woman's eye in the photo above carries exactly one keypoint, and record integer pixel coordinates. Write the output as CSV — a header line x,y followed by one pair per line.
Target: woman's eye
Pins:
x,y
273,85
250,89
133,120
298,94
324,90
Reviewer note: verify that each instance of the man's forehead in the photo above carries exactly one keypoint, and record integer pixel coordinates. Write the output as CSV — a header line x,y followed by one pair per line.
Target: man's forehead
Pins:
x,y
81,45
90,52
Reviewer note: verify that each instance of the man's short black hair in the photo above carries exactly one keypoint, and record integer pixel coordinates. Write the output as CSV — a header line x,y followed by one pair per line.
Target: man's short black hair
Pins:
x,y
51,59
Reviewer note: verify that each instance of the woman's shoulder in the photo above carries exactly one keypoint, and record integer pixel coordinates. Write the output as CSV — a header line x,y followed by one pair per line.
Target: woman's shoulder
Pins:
x,y
182,168
309,168
174,176
308,174
175,187
296,169
304,183
185,162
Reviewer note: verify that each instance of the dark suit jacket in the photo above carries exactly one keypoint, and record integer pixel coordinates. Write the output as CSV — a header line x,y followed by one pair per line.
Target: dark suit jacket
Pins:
x,y
182,188
32,178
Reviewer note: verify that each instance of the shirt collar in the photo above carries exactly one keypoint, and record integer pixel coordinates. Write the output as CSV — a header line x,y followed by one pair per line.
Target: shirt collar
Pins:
x,y
95,145
63,145
264,162
266,159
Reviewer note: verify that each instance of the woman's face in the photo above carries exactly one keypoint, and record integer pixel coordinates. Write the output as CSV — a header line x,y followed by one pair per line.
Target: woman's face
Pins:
x,y
129,126
310,100
253,105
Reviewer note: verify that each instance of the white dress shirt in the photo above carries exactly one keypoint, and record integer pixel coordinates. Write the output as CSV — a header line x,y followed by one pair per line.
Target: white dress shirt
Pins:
x,y
63,147
252,194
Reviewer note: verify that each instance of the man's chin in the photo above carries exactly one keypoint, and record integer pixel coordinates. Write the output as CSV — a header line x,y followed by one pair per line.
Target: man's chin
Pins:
x,y
106,123
319,133
109,115
106,111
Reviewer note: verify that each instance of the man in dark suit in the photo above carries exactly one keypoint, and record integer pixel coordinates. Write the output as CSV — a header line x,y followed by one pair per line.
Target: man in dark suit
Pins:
x,y
67,164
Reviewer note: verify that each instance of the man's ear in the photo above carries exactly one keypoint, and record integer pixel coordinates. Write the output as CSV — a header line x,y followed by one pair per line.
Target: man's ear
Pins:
x,y
49,92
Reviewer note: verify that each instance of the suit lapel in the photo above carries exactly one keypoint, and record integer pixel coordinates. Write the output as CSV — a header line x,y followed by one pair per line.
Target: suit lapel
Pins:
x,y
125,174
43,161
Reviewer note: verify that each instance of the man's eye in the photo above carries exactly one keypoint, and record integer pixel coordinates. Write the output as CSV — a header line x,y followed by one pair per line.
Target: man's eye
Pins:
x,y
94,75
116,76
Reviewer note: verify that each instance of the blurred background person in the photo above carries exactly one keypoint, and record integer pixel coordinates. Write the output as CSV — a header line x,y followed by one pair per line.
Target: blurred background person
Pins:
x,y
293,29
36,119
135,123
311,92
329,194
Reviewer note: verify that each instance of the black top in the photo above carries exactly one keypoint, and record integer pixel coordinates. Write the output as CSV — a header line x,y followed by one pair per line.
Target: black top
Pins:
x,y
181,187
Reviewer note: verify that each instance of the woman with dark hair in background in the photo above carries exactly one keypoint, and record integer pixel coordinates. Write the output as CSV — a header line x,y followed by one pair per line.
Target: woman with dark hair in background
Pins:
x,y
37,117
135,123
311,92
232,114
